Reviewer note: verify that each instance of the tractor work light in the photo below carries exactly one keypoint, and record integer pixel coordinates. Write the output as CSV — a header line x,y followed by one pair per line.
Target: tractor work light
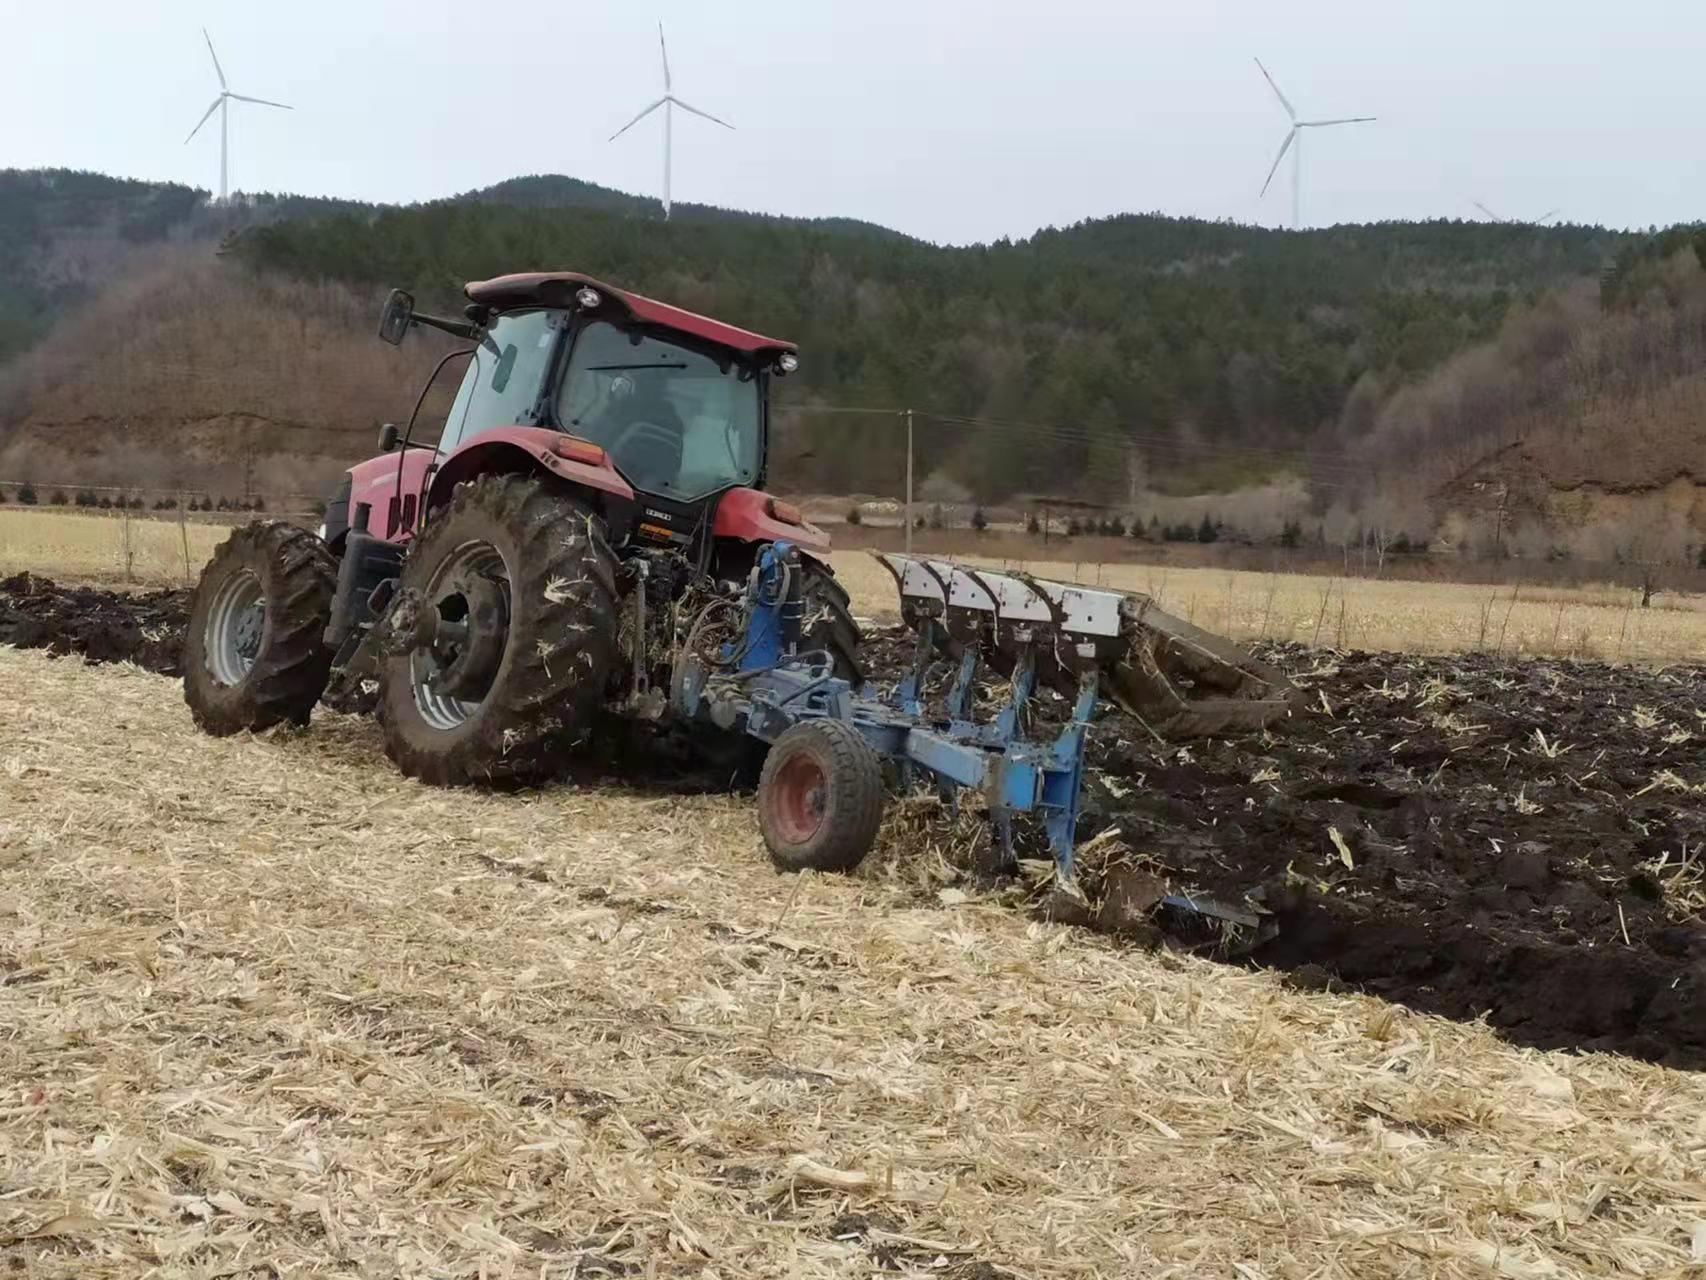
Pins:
x,y
588,297
577,450
786,512
787,362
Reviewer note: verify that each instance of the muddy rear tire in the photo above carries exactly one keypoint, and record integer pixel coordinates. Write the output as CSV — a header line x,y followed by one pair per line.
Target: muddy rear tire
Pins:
x,y
829,624
517,712
253,651
820,797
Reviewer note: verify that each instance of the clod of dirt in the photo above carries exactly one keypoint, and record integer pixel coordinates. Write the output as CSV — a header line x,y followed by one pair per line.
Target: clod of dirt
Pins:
x,y
99,626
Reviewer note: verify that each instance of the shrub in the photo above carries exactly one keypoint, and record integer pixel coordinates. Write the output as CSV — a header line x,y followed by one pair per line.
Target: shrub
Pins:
x,y
27,494
1207,531
1116,527
936,516
105,504
918,522
3,497
1032,524
853,516
1073,528
1291,536
59,498
979,521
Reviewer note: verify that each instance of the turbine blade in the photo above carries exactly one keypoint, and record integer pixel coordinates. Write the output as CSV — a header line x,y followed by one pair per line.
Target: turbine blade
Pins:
x,y
695,110
1316,124
1484,209
636,120
204,119
217,69
1550,213
243,97
1284,147
1289,109
664,50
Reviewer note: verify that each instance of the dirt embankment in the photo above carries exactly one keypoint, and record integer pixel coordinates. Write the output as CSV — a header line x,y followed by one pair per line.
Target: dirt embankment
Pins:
x,y
1470,836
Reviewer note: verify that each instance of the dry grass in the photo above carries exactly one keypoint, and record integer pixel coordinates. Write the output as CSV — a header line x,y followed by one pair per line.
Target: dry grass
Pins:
x,y
1360,613
1415,617
92,547
267,1008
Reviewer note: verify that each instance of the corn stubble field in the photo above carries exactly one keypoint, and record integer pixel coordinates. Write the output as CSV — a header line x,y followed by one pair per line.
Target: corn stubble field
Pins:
x,y
1358,613
267,1008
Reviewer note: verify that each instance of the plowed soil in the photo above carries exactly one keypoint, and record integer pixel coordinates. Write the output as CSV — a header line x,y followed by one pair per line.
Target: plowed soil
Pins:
x,y
102,626
1518,840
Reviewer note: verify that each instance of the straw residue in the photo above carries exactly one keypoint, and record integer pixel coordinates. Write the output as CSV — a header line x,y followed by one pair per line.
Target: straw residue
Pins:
x,y
267,1008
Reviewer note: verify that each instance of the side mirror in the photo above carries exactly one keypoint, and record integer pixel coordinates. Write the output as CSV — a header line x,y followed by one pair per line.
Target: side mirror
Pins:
x,y
398,315
387,437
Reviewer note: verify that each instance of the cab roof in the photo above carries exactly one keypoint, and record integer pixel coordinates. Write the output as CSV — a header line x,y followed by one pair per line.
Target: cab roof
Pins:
x,y
558,288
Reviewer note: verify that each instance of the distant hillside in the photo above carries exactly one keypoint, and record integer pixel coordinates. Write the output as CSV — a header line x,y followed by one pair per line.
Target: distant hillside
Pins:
x,y
1579,429
1175,335
1404,370
65,235
555,191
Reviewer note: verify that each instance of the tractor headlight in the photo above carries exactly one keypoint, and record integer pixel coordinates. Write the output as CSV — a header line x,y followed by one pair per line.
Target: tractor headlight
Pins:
x,y
588,297
787,362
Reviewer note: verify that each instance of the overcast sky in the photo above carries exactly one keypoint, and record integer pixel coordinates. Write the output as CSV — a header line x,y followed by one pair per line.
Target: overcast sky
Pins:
x,y
953,121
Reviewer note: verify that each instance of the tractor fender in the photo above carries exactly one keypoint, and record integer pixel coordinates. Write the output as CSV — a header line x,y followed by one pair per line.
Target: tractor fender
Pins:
x,y
744,514
508,449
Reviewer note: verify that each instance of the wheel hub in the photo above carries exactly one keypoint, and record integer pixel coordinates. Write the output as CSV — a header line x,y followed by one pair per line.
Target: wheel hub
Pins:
x,y
802,793
457,640
468,638
236,628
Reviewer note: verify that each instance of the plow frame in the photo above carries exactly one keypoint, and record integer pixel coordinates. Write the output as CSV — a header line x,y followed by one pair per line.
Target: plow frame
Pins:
x,y
1013,773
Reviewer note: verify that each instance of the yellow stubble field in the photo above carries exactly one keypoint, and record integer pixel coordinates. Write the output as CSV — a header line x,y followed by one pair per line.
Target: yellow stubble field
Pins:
x,y
1602,622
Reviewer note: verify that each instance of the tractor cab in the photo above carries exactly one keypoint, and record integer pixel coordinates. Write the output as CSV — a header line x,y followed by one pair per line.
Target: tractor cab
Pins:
x,y
661,414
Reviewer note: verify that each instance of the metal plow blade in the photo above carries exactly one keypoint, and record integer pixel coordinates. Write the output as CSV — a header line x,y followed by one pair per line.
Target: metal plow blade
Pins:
x,y
1180,680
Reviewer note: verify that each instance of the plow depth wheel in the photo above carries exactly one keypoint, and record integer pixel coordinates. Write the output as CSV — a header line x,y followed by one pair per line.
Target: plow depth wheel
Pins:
x,y
820,797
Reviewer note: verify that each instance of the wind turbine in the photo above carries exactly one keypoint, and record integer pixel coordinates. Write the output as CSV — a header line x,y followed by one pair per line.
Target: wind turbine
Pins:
x,y
221,104
1496,218
668,102
1294,140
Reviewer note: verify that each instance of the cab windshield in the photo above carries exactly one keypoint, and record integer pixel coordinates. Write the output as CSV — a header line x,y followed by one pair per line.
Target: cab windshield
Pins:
x,y
676,422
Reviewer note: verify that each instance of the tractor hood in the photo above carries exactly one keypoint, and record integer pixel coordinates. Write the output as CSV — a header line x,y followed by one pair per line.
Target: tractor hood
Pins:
x,y
558,289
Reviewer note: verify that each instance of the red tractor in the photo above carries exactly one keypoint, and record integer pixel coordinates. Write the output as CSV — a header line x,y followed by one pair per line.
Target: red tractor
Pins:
x,y
596,487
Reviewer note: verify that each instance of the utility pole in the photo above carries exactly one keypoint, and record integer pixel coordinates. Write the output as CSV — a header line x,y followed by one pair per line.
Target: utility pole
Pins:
x,y
909,482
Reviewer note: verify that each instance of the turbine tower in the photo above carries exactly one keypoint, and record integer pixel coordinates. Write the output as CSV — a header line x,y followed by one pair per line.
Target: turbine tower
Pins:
x,y
1550,213
668,102
221,104
1294,142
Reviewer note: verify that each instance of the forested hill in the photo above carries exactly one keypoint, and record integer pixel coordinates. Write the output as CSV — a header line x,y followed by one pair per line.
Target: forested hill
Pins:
x,y
1210,353
65,235
1132,327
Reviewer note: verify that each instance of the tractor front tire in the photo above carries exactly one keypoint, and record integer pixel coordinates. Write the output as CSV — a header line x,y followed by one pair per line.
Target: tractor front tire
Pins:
x,y
820,797
559,597
254,654
829,625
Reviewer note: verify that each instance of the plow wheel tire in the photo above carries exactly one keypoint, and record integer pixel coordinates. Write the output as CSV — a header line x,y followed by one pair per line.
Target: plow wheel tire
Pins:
x,y
524,585
820,797
829,623
253,651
